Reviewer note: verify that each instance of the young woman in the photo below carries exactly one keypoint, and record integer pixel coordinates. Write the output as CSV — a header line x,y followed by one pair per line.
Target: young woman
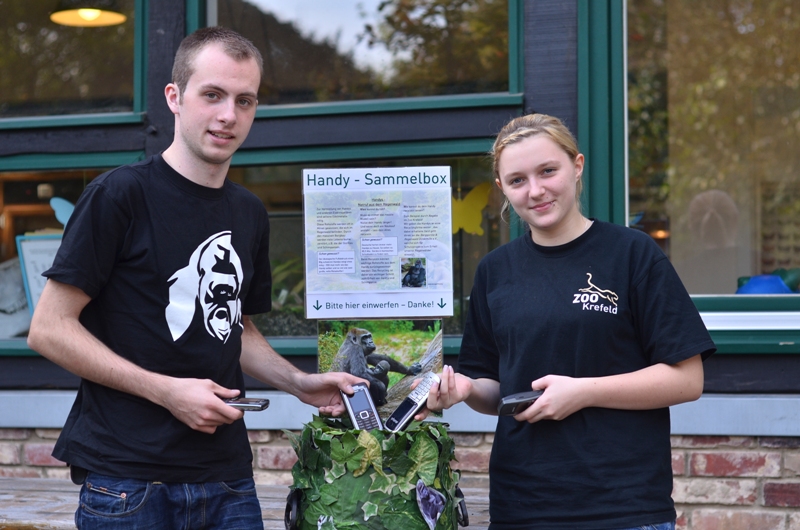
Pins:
x,y
594,315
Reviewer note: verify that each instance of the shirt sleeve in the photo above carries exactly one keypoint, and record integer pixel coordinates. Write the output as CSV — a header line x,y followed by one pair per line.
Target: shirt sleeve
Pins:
x,y
479,357
668,323
93,237
259,296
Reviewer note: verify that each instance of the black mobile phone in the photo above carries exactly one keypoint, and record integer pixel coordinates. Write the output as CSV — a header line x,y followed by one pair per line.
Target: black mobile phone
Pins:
x,y
361,408
248,403
404,413
516,403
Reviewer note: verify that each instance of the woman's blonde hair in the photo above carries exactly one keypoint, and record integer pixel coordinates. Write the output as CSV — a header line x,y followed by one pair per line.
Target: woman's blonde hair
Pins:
x,y
532,125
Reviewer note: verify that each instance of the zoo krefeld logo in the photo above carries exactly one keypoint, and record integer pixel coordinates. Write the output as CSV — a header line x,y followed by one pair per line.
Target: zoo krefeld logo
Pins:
x,y
589,298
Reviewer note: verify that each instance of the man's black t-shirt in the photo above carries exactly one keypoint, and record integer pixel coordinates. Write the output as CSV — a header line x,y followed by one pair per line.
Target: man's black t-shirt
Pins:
x,y
606,303
171,267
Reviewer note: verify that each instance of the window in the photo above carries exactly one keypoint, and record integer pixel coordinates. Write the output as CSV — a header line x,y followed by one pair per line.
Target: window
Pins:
x,y
714,125
280,188
48,69
25,209
322,51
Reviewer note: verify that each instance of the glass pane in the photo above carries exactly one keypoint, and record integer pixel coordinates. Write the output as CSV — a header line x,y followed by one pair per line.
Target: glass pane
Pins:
x,y
318,50
24,209
48,69
280,188
714,118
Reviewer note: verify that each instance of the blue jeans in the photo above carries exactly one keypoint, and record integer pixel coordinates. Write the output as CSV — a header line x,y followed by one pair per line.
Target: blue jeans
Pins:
x,y
662,526
111,503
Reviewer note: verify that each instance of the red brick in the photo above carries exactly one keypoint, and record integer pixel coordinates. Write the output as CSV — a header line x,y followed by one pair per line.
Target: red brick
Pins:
x,y
782,494
735,464
41,455
259,436
711,441
19,472
678,464
276,457
15,434
727,492
472,460
711,519
682,522
467,439
9,453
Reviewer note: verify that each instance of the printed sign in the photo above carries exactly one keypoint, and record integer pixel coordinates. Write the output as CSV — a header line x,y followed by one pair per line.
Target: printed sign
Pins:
x,y
378,242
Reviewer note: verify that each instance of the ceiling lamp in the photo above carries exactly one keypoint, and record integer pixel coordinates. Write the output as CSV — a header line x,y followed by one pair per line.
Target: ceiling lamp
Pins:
x,y
83,13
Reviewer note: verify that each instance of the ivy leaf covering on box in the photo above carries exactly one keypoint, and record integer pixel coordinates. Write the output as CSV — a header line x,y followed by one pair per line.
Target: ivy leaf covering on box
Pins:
x,y
367,480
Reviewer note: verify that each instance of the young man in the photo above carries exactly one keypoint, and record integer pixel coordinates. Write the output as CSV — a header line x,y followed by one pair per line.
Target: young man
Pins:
x,y
147,301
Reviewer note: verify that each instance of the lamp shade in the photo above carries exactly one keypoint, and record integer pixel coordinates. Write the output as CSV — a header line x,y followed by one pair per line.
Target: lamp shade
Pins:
x,y
83,13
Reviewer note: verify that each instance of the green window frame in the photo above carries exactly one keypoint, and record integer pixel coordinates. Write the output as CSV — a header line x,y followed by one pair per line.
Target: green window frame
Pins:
x,y
738,324
111,118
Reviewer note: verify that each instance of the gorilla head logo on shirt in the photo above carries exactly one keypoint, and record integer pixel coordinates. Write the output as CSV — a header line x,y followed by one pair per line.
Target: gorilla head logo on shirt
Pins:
x,y
214,277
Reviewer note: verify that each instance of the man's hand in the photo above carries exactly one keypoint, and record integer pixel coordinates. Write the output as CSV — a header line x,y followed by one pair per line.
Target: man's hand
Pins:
x,y
322,390
199,403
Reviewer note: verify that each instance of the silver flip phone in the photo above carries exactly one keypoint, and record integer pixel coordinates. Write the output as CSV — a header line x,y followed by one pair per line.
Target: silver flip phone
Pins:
x,y
248,403
361,408
404,413
516,403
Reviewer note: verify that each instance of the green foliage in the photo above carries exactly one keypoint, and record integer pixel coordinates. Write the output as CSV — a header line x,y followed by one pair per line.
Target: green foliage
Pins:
x,y
366,480
444,46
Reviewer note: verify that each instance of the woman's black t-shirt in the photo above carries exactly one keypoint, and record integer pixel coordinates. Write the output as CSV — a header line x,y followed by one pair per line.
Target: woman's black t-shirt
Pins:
x,y
606,303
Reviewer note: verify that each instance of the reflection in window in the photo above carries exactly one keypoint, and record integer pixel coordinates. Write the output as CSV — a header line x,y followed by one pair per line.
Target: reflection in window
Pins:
x,y
280,188
25,209
318,50
49,69
714,120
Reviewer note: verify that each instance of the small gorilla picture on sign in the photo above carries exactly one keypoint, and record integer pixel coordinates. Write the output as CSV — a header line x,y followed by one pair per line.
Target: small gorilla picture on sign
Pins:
x,y
412,272
390,354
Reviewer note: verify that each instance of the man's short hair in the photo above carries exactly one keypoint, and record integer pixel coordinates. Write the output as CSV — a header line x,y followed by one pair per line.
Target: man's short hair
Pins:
x,y
235,46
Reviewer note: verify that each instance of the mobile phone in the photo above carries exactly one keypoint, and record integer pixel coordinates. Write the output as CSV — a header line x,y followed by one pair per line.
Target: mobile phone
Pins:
x,y
361,408
516,403
404,413
248,403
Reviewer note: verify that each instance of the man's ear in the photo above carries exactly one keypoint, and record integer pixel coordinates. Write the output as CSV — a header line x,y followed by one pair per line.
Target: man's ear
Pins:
x,y
173,96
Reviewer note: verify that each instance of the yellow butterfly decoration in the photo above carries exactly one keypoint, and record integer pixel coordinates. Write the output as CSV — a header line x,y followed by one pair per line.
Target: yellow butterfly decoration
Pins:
x,y
468,212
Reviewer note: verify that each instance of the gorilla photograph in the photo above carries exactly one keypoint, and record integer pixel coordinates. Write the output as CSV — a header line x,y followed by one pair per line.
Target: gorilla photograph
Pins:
x,y
390,354
412,272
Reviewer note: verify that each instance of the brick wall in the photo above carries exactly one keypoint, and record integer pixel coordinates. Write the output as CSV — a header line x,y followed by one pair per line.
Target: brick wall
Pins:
x,y
721,482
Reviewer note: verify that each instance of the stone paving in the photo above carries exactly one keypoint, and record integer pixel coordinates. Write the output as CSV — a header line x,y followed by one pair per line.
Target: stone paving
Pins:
x,y
49,504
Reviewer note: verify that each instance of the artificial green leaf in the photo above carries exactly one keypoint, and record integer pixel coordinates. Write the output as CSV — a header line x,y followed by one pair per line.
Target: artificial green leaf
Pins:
x,y
399,464
299,477
370,509
337,470
338,451
372,454
383,483
403,515
425,455
328,494
352,492
408,483
294,439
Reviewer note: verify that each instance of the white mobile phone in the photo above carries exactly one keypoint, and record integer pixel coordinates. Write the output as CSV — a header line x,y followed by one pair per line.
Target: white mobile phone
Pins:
x,y
361,408
404,413
248,403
